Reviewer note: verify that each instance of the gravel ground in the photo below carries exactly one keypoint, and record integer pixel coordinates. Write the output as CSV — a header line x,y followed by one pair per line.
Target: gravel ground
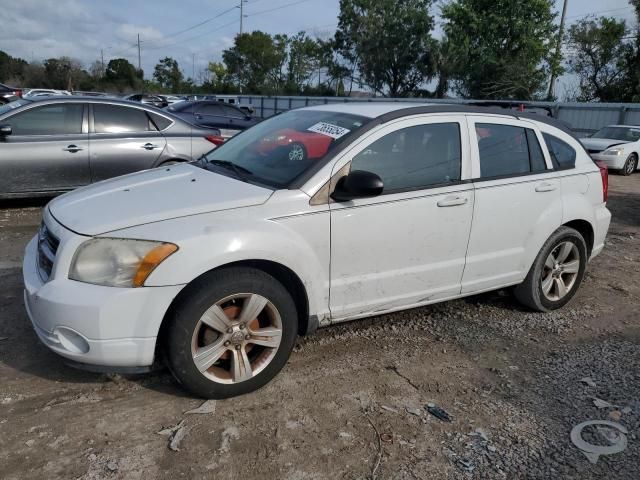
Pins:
x,y
351,402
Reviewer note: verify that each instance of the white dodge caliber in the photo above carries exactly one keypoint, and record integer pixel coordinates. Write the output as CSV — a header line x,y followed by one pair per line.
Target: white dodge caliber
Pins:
x,y
312,217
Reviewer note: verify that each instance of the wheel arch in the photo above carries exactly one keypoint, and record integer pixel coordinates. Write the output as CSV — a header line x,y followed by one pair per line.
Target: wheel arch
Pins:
x,y
289,279
584,228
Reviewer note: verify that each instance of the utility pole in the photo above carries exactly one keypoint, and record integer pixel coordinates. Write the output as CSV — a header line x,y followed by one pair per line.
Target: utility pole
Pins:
x,y
193,67
139,57
241,14
558,55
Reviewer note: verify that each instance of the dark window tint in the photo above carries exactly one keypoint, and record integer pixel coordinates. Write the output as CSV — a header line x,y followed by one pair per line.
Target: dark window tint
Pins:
x,y
232,112
535,152
562,154
58,119
184,107
211,109
503,150
414,157
117,119
160,121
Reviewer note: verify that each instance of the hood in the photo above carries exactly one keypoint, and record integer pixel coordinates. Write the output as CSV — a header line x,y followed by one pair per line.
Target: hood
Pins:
x,y
599,144
152,196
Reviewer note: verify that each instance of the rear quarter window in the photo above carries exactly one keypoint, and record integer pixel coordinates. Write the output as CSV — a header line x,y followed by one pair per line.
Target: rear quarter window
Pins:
x,y
160,121
562,154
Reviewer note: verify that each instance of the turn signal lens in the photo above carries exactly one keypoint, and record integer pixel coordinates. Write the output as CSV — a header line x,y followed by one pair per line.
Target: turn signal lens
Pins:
x,y
151,260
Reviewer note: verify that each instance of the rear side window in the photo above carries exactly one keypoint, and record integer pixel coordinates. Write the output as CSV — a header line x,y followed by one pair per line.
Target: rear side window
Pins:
x,y
57,119
118,119
508,150
562,154
414,157
160,121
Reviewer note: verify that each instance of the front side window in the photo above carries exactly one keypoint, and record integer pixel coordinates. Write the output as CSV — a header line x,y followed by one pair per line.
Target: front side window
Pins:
x,y
118,119
210,109
281,148
562,154
56,119
414,157
508,150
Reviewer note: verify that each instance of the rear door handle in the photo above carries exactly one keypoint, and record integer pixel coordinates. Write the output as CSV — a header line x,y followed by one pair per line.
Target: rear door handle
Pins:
x,y
72,149
150,146
545,187
452,201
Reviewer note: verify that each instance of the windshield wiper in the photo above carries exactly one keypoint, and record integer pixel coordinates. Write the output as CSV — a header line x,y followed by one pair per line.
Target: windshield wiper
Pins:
x,y
240,172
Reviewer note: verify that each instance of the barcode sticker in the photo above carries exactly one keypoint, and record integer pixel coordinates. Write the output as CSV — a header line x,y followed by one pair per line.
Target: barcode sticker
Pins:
x,y
329,130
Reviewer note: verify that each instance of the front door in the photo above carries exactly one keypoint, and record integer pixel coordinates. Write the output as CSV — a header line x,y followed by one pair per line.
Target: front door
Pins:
x,y
47,151
408,245
123,140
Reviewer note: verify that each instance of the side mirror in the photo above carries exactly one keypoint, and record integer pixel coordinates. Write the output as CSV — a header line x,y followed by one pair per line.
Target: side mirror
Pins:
x,y
358,184
5,130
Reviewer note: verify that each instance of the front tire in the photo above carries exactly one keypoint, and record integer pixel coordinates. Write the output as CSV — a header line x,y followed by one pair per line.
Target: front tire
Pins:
x,y
630,165
231,333
556,273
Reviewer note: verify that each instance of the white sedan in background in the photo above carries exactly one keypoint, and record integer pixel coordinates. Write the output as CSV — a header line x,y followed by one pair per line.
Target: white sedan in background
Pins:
x,y
616,145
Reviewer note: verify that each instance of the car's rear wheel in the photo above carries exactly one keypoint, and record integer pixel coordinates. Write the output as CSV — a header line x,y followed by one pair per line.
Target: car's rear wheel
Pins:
x,y
630,165
231,333
556,273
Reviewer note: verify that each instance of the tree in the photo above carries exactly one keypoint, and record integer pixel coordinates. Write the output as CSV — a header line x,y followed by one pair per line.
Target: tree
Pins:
x,y
122,74
11,67
503,48
389,41
255,61
599,59
65,73
167,73
304,61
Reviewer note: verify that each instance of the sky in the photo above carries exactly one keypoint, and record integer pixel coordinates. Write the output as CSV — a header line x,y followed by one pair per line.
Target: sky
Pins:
x,y
193,32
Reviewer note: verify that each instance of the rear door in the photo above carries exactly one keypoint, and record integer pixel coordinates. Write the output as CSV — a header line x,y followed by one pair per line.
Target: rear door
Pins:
x,y
122,140
48,149
518,201
238,120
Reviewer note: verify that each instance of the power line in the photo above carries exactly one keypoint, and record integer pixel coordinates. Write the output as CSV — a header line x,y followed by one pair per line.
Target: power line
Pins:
x,y
599,12
194,37
204,22
277,8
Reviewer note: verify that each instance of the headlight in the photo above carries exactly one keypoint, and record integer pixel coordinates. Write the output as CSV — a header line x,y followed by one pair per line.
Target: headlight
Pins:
x,y
614,151
116,262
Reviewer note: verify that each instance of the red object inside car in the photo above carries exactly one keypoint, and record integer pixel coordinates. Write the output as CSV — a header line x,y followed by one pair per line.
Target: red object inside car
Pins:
x,y
315,144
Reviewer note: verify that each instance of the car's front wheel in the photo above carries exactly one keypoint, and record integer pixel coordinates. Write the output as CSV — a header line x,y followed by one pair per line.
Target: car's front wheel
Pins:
x,y
630,165
231,333
556,273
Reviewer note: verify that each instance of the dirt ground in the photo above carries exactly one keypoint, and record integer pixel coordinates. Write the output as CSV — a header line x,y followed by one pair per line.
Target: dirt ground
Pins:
x,y
351,402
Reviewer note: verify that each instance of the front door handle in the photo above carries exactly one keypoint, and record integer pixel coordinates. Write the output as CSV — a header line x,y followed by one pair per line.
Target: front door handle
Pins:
x,y
149,146
545,187
72,149
452,201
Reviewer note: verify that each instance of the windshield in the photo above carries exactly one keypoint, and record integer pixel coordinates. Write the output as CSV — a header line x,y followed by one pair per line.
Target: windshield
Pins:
x,y
625,134
279,149
12,106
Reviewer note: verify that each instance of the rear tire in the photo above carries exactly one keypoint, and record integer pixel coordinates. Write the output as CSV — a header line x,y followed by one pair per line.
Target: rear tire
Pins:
x,y
231,333
556,273
630,165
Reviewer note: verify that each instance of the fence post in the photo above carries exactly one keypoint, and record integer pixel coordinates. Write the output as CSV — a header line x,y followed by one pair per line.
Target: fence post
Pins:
x,y
275,105
289,103
306,101
622,117
262,107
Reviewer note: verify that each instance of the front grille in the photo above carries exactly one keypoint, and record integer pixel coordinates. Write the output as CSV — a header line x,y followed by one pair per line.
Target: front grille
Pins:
x,y
47,249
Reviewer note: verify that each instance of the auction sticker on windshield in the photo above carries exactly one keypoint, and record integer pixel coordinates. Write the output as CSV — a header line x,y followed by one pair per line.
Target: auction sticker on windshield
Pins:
x,y
333,131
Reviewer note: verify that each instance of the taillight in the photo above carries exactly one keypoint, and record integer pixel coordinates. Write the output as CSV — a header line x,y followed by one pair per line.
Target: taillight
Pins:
x,y
604,173
217,140
18,93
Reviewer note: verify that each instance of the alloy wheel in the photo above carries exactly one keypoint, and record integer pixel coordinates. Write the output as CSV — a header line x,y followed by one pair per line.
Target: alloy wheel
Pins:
x,y
630,166
236,338
560,271
296,154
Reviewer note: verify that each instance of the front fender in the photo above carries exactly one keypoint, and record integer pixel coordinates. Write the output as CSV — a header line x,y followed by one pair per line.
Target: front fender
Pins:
x,y
209,241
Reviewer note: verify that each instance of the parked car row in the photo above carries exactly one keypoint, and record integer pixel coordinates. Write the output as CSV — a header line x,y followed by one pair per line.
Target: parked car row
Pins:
x,y
50,145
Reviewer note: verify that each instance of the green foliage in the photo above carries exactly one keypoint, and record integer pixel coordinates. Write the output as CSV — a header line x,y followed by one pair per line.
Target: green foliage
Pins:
x,y
599,57
122,75
389,41
167,73
503,48
11,68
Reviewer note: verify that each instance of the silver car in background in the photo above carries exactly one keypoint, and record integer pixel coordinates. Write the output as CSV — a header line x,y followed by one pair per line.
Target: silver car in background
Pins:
x,y
50,145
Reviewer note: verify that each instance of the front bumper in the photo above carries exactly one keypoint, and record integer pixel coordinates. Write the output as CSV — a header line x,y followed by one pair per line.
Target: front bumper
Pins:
x,y
614,162
91,324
